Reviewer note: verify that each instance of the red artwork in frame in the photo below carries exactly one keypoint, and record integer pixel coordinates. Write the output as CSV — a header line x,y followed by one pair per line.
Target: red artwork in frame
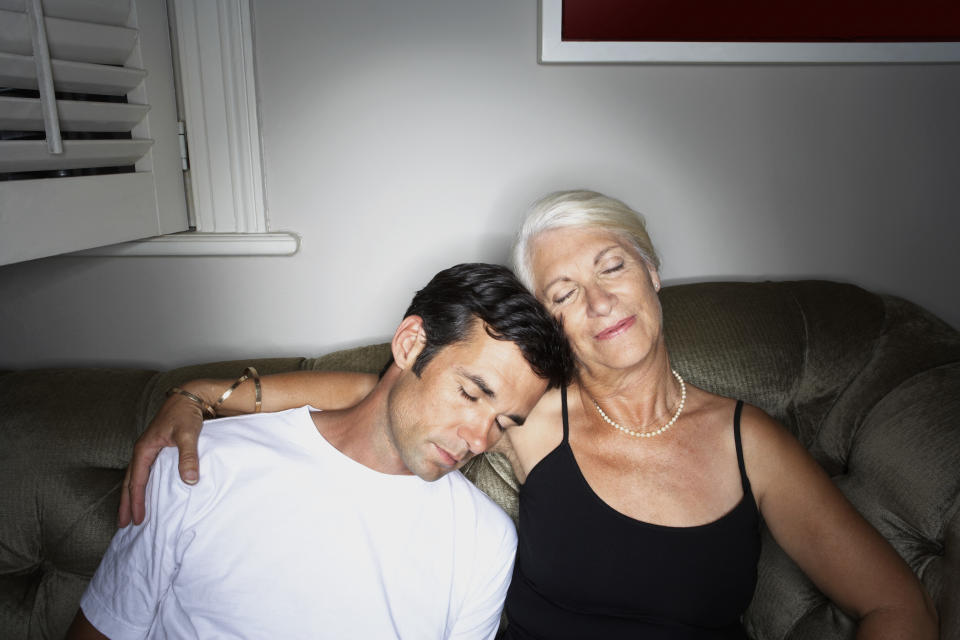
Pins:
x,y
803,31
762,20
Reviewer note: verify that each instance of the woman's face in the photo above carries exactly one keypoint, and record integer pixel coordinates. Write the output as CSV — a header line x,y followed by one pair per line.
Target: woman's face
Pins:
x,y
604,292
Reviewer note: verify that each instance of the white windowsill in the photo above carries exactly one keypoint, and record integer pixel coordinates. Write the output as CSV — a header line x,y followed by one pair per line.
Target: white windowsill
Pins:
x,y
190,243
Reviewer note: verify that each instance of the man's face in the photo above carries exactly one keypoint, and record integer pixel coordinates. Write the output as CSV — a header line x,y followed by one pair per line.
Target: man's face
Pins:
x,y
466,396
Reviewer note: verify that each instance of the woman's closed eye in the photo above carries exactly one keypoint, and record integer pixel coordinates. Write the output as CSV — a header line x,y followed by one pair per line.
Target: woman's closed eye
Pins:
x,y
563,296
614,268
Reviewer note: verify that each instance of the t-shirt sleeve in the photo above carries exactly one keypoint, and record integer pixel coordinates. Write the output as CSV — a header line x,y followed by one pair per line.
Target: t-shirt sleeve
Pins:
x,y
141,562
480,615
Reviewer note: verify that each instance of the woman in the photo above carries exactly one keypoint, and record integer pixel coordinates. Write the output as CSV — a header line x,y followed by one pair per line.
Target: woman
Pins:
x,y
642,494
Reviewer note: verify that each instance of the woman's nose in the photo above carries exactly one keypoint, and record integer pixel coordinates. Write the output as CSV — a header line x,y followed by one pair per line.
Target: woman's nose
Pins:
x,y
599,300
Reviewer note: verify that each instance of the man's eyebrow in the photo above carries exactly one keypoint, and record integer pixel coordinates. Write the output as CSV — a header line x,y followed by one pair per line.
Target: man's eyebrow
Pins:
x,y
480,382
487,391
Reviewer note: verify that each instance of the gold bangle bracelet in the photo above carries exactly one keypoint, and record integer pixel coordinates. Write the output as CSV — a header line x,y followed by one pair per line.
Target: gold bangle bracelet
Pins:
x,y
258,391
248,373
205,409
226,394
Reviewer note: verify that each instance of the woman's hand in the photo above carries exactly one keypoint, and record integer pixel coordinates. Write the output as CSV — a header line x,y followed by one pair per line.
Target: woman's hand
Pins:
x,y
177,424
179,421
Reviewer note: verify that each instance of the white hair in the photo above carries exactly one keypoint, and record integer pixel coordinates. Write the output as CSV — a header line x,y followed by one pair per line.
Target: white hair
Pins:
x,y
580,209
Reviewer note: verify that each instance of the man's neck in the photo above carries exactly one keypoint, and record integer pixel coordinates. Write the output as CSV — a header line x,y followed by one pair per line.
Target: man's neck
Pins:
x,y
362,432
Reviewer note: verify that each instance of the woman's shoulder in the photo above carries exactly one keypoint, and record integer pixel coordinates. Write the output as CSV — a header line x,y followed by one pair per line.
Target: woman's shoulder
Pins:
x,y
760,433
540,433
771,453
759,429
549,406
546,416
753,420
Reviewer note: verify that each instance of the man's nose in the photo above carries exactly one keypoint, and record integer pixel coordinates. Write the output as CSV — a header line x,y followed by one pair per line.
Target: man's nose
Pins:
x,y
477,435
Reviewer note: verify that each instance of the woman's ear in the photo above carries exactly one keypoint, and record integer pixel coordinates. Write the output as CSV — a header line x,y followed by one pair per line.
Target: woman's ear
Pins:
x,y
654,278
408,341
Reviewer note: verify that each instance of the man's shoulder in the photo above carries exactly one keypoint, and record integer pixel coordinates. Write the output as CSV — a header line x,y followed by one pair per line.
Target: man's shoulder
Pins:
x,y
280,417
486,538
490,517
257,437
258,429
239,453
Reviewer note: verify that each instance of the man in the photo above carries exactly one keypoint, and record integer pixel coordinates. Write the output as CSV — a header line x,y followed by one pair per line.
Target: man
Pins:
x,y
346,524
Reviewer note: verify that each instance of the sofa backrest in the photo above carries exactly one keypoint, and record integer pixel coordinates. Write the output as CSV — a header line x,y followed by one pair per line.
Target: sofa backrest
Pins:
x,y
870,384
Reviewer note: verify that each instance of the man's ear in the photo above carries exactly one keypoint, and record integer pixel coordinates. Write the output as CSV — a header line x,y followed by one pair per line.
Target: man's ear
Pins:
x,y
408,341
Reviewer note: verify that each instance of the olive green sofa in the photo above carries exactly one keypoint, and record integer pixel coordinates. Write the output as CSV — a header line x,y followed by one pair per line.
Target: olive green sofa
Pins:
x,y
869,383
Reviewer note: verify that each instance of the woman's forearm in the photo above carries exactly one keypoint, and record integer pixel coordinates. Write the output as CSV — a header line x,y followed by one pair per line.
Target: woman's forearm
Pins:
x,y
915,621
321,389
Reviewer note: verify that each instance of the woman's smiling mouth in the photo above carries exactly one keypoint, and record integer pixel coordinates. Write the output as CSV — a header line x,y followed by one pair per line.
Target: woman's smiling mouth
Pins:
x,y
616,329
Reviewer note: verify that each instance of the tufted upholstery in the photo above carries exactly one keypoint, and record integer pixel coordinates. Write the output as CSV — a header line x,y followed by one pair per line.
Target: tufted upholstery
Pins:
x,y
870,384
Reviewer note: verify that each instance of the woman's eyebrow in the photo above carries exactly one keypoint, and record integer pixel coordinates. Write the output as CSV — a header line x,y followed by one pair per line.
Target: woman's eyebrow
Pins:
x,y
596,259
553,282
603,252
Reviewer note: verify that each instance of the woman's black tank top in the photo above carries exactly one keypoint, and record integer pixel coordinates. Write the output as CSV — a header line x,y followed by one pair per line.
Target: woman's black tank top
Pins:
x,y
585,570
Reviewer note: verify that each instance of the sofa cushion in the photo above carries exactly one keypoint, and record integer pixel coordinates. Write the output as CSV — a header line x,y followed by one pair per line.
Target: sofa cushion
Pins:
x,y
65,441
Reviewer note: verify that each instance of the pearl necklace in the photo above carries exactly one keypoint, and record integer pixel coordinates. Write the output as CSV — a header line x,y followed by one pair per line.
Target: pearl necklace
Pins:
x,y
655,432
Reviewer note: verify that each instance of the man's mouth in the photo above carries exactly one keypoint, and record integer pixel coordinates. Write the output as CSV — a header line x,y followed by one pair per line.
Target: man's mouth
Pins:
x,y
447,459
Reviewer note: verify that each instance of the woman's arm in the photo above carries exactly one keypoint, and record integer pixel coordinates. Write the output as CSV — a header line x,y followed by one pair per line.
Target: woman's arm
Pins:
x,y
81,629
179,421
831,542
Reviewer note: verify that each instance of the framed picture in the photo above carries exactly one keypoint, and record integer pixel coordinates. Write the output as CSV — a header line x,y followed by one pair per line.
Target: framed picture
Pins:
x,y
749,31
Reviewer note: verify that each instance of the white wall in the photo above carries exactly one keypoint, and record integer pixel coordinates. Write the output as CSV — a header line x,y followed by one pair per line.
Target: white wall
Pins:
x,y
402,137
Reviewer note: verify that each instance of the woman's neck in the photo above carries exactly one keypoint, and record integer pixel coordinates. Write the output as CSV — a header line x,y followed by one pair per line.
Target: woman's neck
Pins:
x,y
638,397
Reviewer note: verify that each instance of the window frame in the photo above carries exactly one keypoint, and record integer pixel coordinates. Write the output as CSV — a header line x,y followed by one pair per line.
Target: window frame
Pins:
x,y
216,95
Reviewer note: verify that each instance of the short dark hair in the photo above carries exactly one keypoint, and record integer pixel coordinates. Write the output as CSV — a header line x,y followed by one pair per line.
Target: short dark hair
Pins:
x,y
456,297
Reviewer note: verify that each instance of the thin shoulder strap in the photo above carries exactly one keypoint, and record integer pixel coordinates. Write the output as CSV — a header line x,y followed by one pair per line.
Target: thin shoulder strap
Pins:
x,y
566,421
736,435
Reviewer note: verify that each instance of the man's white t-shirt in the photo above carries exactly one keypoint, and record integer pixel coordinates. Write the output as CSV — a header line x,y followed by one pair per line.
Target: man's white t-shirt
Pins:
x,y
286,537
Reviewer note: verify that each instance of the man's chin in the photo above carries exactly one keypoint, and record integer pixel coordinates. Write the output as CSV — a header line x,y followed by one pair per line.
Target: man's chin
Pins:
x,y
432,469
428,470
434,472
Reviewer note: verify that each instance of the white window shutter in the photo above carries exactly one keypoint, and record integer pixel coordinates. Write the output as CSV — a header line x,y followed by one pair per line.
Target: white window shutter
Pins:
x,y
101,47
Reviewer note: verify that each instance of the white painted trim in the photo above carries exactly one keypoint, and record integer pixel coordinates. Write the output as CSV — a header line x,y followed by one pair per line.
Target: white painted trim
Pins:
x,y
215,47
554,50
203,244
214,41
